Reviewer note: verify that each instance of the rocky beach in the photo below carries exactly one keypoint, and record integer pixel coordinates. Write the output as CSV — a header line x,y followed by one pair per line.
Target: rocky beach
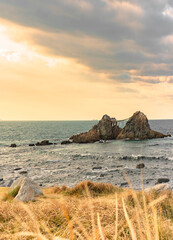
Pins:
x,y
61,189
48,162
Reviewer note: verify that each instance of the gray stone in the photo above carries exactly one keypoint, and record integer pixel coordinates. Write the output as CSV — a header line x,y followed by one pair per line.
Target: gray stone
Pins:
x,y
10,183
159,188
28,189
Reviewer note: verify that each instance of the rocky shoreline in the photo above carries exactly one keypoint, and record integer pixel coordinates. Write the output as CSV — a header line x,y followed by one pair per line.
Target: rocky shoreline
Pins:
x,y
25,189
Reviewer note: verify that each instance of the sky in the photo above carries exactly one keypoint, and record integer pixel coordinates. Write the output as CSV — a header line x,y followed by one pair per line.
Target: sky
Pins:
x,y
81,59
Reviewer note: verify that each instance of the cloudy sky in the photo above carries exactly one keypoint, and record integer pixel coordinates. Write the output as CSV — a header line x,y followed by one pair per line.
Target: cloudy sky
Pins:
x,y
80,59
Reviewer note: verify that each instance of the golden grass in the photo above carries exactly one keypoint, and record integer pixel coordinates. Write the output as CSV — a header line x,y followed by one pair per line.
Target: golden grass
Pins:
x,y
94,188
85,213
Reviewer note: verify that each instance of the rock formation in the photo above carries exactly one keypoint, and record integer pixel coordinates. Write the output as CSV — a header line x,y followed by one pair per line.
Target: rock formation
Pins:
x,y
106,129
137,127
27,189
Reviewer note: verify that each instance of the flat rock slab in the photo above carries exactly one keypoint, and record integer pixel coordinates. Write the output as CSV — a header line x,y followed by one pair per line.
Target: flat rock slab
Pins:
x,y
159,188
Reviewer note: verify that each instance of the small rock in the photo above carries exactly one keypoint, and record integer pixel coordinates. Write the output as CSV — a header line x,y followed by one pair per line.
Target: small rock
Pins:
x,y
10,183
141,165
78,168
102,175
162,180
44,143
1,179
23,172
16,169
13,145
123,184
66,142
31,145
96,168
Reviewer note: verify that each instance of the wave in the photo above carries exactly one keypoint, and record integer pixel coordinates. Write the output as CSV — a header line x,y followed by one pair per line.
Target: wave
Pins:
x,y
142,157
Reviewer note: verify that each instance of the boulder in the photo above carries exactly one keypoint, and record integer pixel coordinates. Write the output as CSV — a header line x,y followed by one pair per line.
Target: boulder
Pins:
x,y
137,127
158,188
44,143
106,129
140,165
27,189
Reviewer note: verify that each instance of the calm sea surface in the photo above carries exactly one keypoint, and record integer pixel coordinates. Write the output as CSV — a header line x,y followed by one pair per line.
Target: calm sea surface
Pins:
x,y
68,164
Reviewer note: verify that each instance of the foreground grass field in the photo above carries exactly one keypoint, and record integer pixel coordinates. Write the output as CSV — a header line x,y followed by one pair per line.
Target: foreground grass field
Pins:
x,y
93,211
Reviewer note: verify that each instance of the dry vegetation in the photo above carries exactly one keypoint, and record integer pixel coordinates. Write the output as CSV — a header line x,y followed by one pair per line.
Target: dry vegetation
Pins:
x,y
89,211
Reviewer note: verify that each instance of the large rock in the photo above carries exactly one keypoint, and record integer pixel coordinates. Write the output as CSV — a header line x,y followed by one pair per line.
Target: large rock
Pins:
x,y
106,129
137,127
28,189
159,188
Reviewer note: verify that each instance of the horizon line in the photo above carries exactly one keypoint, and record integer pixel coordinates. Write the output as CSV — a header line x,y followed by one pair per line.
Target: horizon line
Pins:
x,y
69,120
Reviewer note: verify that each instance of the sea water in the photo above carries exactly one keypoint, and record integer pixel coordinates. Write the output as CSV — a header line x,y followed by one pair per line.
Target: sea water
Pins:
x,y
112,161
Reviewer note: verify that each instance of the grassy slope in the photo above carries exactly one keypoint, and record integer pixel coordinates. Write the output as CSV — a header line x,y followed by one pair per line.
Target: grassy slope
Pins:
x,y
102,212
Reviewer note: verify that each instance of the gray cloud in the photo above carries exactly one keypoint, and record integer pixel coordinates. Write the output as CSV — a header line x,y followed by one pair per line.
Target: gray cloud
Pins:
x,y
109,36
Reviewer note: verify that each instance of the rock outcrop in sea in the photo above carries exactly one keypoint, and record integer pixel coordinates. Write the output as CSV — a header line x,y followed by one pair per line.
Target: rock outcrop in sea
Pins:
x,y
106,129
137,127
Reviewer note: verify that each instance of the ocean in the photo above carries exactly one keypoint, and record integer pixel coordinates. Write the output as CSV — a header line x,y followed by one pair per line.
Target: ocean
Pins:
x,y
110,162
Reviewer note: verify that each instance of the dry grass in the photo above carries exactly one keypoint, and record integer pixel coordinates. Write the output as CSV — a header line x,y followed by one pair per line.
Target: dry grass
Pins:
x,y
76,214
95,189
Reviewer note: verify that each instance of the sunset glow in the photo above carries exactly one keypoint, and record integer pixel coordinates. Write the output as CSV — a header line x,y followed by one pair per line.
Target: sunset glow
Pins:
x,y
77,60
